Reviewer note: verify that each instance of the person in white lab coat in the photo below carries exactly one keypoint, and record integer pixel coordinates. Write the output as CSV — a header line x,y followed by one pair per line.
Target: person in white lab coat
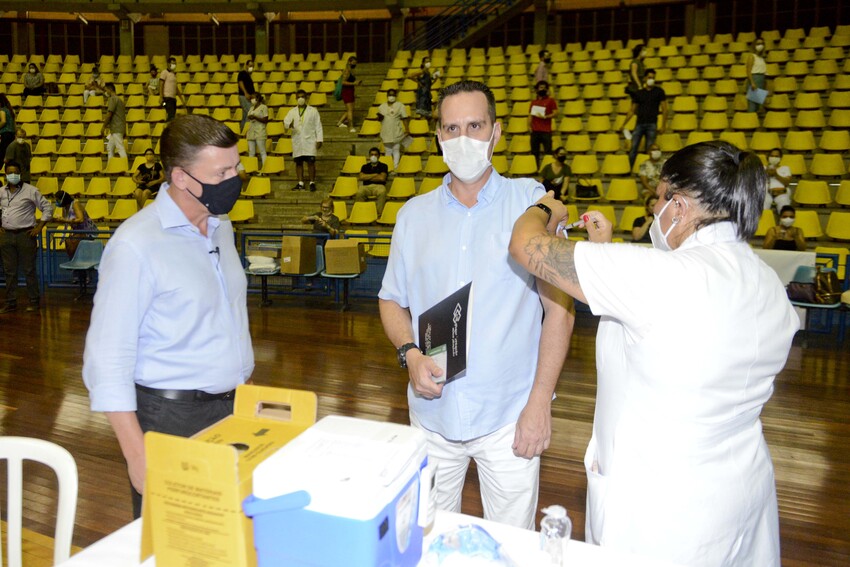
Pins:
x,y
691,336
307,138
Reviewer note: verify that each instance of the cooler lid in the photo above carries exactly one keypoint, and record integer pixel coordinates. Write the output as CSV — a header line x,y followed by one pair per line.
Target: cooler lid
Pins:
x,y
351,467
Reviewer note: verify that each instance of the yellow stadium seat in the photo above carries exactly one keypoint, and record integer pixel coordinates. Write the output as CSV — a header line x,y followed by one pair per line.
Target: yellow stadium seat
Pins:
x,y
433,166
698,136
685,103
608,142
726,87
258,187
64,166
713,121
799,141
344,188
242,211
669,142
123,187
584,164
47,185
616,164
807,101
842,194
402,188
523,166
814,84
683,122
520,144
428,184
777,120
44,147
97,209
73,185
122,210
622,190
838,99
628,217
745,121
827,165
809,222
766,222
388,215
116,165
838,225
698,88
839,118
517,125
98,187
273,165
363,212
835,141
578,143
598,124
352,165
812,193
737,139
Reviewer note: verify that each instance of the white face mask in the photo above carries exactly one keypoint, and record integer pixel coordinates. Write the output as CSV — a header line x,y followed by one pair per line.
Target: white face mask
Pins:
x,y
650,82
466,157
427,64
301,101
20,141
390,99
659,239
172,66
759,47
250,69
373,159
655,154
253,101
773,160
786,221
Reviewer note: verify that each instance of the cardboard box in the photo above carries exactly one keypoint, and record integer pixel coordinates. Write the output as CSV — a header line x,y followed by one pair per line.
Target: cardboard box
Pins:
x,y
345,257
192,510
264,249
347,492
298,255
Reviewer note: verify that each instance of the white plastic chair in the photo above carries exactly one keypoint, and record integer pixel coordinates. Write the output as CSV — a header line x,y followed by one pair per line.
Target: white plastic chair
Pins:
x,y
17,449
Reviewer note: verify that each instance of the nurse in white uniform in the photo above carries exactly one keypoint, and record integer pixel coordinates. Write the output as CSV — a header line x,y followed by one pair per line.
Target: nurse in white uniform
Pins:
x,y
691,336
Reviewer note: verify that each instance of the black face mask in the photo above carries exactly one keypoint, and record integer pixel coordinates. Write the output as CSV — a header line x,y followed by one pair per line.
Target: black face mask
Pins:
x,y
547,60
353,65
562,159
218,198
541,94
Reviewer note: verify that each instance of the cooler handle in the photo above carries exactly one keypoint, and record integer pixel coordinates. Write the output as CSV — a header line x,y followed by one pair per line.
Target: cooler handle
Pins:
x,y
253,506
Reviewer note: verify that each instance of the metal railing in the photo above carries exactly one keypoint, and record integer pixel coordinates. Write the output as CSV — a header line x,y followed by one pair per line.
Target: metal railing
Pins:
x,y
453,22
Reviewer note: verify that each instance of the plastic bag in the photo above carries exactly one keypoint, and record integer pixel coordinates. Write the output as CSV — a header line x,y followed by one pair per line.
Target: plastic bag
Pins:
x,y
466,546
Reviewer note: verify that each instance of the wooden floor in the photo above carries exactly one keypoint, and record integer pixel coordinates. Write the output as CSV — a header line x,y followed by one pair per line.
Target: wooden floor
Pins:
x,y
346,359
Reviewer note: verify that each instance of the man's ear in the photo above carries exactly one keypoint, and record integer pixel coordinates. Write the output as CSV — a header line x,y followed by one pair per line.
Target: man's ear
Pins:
x,y
178,178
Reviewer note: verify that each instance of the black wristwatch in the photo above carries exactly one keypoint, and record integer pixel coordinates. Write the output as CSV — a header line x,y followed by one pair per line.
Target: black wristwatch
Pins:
x,y
402,353
543,208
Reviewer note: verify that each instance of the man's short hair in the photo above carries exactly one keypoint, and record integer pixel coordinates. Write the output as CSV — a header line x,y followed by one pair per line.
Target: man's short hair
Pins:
x,y
542,53
374,149
109,86
469,87
648,73
12,163
393,91
300,92
186,135
543,83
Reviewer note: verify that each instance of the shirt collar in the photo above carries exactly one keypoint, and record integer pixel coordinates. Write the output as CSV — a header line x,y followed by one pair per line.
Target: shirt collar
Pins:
x,y
170,215
486,195
717,233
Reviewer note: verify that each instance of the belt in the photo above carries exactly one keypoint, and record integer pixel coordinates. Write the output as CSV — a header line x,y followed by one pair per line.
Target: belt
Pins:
x,y
17,230
186,395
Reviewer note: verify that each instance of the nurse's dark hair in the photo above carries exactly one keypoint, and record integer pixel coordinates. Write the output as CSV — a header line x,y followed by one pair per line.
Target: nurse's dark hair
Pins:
x,y
187,135
728,182
470,87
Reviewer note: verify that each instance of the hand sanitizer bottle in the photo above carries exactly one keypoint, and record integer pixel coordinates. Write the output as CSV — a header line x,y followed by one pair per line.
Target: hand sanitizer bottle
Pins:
x,y
555,530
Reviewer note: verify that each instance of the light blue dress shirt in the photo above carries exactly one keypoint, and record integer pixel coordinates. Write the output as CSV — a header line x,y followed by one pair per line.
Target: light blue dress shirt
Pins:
x,y
440,245
170,312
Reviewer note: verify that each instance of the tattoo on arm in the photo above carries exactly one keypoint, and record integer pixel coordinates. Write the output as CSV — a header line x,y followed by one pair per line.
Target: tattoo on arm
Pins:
x,y
552,259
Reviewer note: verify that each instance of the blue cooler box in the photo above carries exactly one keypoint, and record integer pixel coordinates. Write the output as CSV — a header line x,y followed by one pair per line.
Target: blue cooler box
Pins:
x,y
347,492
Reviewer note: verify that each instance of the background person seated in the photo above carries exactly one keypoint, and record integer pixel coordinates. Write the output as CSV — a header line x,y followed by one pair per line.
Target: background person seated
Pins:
x,y
325,221
148,177
785,236
640,228
779,176
373,180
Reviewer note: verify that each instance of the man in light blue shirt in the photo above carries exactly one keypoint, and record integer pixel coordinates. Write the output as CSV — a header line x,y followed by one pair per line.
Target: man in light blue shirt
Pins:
x,y
169,341
499,411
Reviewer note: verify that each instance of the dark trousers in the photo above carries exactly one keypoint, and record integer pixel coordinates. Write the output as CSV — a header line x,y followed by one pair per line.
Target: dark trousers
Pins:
x,y
647,131
170,108
176,418
541,140
19,250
